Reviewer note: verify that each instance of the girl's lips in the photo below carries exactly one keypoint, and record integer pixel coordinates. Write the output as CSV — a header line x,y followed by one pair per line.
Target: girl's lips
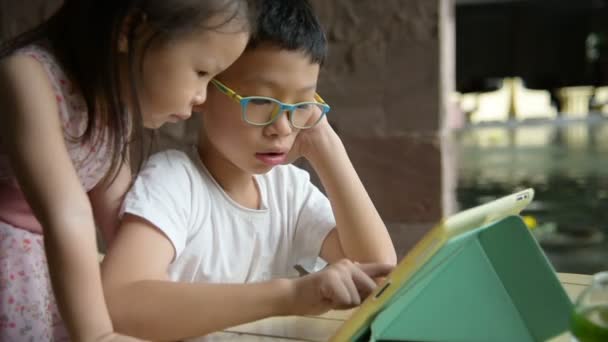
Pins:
x,y
272,159
179,117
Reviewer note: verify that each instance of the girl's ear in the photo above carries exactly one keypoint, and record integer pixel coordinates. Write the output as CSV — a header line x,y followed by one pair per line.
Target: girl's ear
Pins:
x,y
133,22
123,43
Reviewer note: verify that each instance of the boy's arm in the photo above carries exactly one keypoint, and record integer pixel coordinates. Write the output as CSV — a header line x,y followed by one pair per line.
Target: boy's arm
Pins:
x,y
360,234
143,302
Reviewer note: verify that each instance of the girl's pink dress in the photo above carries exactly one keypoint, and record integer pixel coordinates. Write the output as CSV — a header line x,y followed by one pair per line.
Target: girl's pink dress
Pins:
x,y
27,306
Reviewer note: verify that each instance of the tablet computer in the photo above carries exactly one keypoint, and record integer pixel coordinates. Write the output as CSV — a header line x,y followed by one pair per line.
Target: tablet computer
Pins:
x,y
467,220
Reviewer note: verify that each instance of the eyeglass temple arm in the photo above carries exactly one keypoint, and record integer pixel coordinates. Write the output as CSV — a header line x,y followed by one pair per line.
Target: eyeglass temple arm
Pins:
x,y
226,90
237,97
319,99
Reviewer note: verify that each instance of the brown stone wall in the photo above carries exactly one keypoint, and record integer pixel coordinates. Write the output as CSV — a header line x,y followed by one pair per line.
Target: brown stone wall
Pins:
x,y
383,80
384,60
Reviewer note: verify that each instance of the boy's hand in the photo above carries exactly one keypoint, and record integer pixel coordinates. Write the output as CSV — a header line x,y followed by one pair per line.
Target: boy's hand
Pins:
x,y
341,285
316,142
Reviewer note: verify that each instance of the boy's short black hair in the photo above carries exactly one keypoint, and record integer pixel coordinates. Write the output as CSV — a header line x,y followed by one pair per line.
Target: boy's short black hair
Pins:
x,y
291,25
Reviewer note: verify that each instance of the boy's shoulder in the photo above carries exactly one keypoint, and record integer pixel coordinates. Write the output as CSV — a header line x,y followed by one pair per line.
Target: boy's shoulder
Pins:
x,y
170,155
170,160
288,174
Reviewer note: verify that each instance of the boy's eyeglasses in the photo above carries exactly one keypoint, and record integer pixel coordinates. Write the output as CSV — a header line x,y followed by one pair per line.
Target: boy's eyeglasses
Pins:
x,y
263,111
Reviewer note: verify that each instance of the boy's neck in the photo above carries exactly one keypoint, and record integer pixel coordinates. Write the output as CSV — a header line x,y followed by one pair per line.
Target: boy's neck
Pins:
x,y
240,186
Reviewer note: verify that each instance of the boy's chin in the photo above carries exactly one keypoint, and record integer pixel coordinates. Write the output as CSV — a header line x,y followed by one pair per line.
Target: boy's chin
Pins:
x,y
261,169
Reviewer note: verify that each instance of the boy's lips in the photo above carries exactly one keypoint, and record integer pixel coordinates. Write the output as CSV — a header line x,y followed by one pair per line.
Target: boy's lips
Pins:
x,y
272,158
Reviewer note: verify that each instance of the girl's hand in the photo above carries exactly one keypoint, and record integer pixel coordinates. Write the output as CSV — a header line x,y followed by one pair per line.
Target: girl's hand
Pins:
x,y
341,285
115,337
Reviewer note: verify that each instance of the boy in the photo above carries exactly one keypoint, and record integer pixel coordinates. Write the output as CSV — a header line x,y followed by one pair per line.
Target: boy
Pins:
x,y
210,237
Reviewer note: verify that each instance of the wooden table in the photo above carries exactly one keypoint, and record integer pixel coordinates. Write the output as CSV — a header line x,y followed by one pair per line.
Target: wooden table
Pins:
x,y
321,328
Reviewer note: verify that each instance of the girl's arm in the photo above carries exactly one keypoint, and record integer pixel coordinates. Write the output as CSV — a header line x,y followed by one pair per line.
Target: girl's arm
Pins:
x,y
144,303
106,200
32,134
360,234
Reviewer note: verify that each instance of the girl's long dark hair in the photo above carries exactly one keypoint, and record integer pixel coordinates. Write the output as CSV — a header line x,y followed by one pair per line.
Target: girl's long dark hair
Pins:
x,y
83,34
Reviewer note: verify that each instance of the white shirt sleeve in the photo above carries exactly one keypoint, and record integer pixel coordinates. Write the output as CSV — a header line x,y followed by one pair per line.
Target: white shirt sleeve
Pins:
x,y
315,221
162,194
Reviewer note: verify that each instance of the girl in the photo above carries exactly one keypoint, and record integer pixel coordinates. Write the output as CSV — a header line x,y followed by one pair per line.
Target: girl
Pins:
x,y
75,91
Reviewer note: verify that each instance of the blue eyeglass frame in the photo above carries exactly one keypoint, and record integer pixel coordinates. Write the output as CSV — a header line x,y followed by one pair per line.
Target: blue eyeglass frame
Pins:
x,y
283,107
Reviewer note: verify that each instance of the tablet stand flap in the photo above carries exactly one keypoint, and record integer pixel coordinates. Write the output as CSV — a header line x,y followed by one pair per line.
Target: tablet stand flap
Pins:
x,y
491,284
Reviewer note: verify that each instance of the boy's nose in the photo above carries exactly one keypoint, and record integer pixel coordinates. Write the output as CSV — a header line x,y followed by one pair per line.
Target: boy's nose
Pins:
x,y
281,126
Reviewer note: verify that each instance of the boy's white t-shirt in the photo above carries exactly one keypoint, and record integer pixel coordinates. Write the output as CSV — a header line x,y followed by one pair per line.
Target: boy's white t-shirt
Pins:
x,y
216,239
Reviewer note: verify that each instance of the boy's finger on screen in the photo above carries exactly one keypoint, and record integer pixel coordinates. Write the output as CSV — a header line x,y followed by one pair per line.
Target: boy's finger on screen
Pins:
x,y
365,284
352,287
353,291
375,270
336,291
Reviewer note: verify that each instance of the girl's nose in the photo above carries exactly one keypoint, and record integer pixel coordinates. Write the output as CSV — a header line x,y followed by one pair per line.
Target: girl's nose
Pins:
x,y
200,97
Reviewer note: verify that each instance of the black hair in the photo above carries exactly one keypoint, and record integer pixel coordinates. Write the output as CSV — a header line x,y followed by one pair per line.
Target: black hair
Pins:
x,y
290,25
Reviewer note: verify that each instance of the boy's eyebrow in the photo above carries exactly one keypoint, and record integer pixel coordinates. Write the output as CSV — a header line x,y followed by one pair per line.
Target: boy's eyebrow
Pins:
x,y
271,84
308,88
